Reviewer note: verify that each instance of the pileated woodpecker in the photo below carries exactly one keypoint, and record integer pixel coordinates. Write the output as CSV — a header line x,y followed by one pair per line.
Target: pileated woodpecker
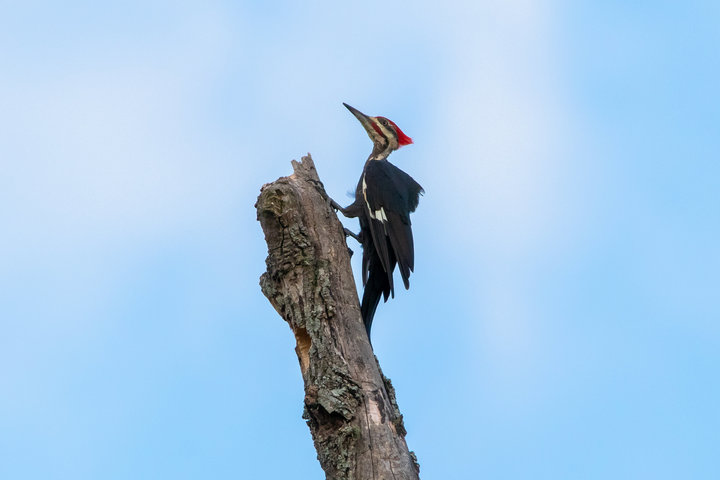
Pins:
x,y
384,198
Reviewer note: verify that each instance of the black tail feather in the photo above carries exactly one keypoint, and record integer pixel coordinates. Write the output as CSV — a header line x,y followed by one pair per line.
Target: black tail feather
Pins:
x,y
377,286
370,301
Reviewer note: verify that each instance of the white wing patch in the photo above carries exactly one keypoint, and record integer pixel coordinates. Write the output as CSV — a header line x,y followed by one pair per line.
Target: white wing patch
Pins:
x,y
378,214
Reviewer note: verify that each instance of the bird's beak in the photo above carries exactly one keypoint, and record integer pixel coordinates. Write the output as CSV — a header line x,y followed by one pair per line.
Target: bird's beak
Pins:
x,y
364,119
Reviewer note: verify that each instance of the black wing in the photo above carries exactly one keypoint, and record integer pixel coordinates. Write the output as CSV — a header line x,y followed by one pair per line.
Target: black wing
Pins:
x,y
390,195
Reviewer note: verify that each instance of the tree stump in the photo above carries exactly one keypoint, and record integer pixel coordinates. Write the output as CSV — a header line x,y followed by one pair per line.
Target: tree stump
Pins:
x,y
350,406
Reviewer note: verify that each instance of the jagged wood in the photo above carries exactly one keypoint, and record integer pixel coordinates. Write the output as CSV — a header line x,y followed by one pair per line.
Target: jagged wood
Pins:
x,y
350,406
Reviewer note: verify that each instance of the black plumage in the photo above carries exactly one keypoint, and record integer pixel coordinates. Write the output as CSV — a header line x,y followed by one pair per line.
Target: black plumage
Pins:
x,y
384,198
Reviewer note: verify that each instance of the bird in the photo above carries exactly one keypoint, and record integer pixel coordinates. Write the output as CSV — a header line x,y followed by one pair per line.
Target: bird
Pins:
x,y
384,198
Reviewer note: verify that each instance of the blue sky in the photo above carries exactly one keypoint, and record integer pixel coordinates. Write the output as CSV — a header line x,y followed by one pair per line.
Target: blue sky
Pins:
x,y
563,319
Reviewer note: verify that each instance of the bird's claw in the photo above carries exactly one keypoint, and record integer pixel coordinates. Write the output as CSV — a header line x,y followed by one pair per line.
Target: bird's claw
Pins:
x,y
350,233
335,205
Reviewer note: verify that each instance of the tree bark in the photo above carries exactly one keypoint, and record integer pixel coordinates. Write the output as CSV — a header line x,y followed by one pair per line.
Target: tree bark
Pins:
x,y
350,406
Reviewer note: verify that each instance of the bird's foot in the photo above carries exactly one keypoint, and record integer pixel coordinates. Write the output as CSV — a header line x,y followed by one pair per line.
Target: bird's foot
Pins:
x,y
335,205
350,233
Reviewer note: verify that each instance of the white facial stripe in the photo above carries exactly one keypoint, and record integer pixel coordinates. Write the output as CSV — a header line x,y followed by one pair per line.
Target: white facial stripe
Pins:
x,y
375,136
392,143
385,130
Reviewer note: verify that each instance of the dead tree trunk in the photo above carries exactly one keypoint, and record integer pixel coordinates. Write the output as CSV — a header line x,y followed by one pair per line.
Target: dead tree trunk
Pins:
x,y
349,405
